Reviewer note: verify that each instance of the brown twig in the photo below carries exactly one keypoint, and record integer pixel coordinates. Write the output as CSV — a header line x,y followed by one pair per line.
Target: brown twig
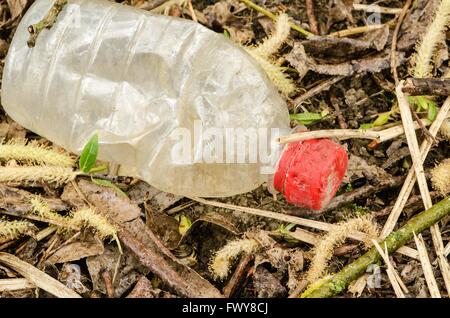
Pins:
x,y
238,275
394,40
325,85
107,279
427,86
425,131
362,192
341,120
269,14
311,17
159,266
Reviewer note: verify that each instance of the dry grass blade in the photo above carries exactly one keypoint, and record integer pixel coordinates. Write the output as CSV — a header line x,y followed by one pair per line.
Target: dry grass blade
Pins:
x,y
37,277
396,282
13,284
426,266
413,145
421,180
342,134
447,250
359,236
411,178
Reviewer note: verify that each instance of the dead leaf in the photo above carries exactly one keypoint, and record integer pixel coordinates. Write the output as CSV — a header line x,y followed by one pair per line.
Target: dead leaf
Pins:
x,y
16,7
357,287
70,275
18,200
89,245
211,218
339,11
128,272
372,64
221,16
14,130
118,207
166,227
156,199
267,285
295,267
325,47
359,168
415,23
144,289
140,239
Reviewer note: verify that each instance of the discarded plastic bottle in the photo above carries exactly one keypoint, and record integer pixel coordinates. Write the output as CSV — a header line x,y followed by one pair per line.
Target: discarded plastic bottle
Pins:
x,y
191,112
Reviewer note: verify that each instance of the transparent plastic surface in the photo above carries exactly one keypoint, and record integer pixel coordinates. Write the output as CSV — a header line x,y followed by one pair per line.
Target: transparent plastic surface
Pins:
x,y
139,79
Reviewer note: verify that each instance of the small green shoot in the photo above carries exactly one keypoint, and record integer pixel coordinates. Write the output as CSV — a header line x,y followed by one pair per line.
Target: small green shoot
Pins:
x,y
424,103
109,184
308,118
89,154
285,230
184,223
381,120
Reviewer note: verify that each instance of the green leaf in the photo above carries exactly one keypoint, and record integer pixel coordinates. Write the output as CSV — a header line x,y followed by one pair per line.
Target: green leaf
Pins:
x,y
366,126
109,184
382,119
432,111
89,155
226,34
306,118
184,224
422,103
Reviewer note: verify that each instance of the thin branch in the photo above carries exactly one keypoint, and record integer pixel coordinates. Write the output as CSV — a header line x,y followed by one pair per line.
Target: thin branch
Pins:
x,y
359,236
339,282
342,134
394,40
269,14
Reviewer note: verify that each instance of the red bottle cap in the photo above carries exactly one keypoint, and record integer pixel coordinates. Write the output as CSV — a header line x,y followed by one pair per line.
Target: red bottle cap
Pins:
x,y
310,172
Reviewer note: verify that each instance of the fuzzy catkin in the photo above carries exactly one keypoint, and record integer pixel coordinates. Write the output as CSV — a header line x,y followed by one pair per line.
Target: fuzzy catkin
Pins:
x,y
41,209
88,217
262,54
34,174
273,43
440,177
434,34
221,262
15,229
34,152
323,251
275,73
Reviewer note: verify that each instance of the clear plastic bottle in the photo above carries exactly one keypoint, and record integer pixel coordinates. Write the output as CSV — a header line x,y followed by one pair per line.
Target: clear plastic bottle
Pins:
x,y
134,78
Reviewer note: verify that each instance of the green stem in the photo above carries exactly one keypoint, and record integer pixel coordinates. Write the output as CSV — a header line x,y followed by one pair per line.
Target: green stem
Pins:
x,y
269,14
340,281
46,23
